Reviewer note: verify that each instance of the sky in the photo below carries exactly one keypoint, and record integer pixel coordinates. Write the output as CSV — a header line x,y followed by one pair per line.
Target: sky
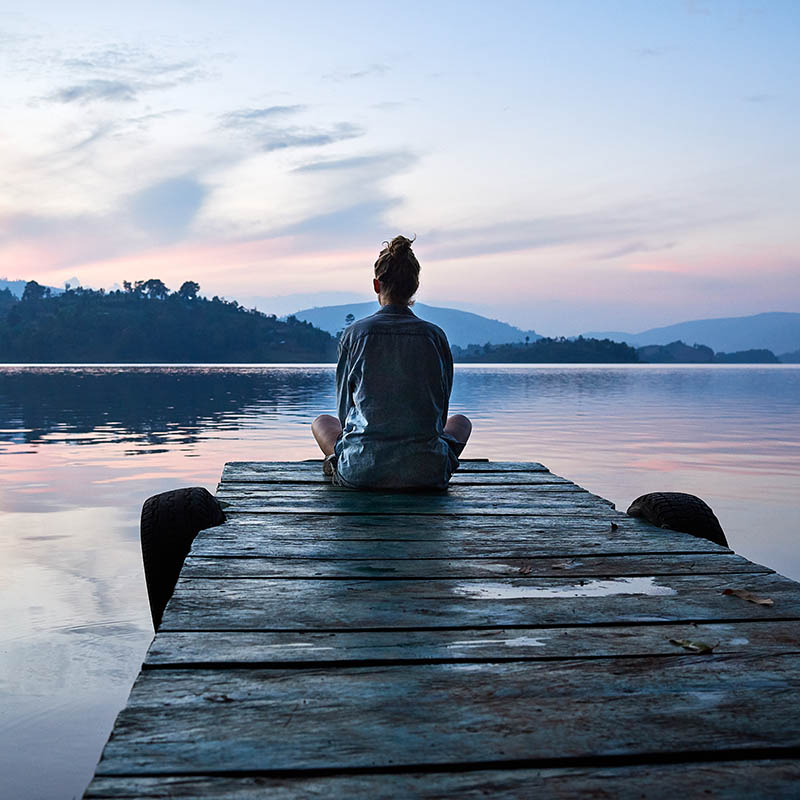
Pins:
x,y
565,166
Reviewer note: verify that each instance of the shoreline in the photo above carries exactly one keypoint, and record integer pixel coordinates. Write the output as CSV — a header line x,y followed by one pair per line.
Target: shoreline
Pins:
x,y
332,365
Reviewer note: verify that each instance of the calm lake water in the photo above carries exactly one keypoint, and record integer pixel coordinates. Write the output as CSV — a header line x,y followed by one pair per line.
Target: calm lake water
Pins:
x,y
82,447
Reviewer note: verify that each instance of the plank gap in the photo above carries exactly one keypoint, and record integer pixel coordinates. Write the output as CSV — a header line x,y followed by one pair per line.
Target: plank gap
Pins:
x,y
511,626
632,759
299,664
557,574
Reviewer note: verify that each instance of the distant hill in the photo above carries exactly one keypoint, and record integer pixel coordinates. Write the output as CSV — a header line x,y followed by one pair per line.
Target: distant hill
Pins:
x,y
148,323
680,353
675,353
790,358
462,327
778,331
18,287
549,351
604,351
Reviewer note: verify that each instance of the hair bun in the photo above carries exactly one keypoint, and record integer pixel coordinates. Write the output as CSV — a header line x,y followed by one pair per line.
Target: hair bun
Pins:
x,y
400,245
397,269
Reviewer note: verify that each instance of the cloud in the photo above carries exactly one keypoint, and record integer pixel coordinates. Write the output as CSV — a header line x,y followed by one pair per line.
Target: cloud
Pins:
x,y
161,213
391,162
757,98
344,224
634,247
140,63
264,127
128,58
247,117
353,196
99,133
372,69
612,225
122,74
126,131
96,89
102,89
508,237
144,119
168,207
281,138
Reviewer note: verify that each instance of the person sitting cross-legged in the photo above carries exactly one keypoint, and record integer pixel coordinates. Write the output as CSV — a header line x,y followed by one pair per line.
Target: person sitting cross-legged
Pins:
x,y
393,382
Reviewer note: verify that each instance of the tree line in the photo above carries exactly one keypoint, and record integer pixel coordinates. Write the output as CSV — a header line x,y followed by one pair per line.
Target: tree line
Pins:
x,y
604,351
558,350
146,322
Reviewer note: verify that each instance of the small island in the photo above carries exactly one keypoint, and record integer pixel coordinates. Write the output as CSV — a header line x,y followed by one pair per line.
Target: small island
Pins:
x,y
582,350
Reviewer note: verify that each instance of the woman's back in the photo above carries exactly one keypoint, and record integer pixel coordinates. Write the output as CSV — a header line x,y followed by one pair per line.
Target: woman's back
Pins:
x,y
393,381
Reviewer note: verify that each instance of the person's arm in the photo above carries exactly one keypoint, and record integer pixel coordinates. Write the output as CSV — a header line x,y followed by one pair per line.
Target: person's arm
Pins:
x,y
342,388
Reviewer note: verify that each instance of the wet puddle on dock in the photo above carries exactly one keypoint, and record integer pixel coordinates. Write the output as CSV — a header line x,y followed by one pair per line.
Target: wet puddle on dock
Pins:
x,y
607,588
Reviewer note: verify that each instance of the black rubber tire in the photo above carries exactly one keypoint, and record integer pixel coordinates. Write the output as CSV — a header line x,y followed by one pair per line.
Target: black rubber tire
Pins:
x,y
170,521
679,512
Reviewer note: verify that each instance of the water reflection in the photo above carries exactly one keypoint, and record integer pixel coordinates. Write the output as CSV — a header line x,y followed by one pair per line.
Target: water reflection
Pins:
x,y
81,448
158,406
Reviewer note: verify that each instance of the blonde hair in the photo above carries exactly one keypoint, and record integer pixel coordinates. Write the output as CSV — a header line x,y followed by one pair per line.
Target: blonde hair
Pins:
x,y
397,269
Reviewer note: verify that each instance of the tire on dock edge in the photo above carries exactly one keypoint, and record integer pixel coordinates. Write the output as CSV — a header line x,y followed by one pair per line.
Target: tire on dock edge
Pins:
x,y
678,511
169,523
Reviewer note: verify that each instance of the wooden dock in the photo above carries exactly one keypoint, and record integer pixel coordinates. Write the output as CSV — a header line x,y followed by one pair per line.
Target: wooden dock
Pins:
x,y
513,637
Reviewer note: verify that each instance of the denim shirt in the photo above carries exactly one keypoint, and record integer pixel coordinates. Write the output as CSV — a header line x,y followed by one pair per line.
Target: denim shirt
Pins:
x,y
393,383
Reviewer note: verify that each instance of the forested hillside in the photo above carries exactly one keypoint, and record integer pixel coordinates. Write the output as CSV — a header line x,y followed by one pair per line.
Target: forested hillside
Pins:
x,y
146,322
584,350
549,351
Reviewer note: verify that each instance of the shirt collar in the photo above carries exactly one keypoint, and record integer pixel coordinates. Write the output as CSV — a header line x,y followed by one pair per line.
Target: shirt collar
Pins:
x,y
391,308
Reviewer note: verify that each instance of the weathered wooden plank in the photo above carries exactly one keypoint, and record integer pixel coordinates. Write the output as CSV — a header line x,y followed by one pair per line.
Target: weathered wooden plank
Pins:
x,y
460,500
332,536
259,647
534,478
289,604
372,563
723,780
524,712
312,473
465,492
565,493
440,526
233,469
556,546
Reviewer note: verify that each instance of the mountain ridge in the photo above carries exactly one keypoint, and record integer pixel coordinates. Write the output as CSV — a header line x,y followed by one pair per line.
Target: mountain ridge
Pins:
x,y
17,287
778,331
462,327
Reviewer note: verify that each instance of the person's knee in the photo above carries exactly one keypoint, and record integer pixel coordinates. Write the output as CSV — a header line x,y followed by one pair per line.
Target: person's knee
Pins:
x,y
463,423
459,426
